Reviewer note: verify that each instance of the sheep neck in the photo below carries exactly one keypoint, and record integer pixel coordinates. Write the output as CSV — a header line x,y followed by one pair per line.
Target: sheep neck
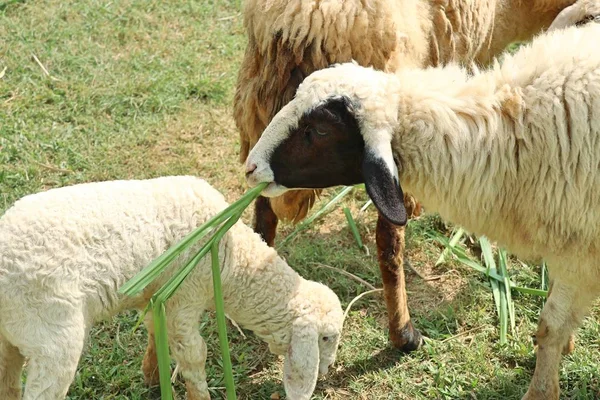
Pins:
x,y
456,142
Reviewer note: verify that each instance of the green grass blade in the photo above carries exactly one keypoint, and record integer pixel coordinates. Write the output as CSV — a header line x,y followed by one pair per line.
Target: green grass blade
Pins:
x,y
367,204
545,280
545,277
221,325
462,256
502,261
353,228
488,253
453,242
162,350
490,263
155,268
167,290
530,291
141,317
306,223
503,315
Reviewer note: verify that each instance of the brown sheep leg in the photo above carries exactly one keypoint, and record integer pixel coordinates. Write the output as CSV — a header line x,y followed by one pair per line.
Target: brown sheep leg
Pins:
x,y
390,251
150,361
265,220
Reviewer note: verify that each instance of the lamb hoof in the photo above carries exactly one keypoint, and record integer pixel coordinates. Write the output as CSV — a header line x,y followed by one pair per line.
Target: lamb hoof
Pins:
x,y
406,339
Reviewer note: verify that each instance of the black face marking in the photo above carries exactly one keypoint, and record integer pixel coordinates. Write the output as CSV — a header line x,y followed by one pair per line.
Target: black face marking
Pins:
x,y
326,149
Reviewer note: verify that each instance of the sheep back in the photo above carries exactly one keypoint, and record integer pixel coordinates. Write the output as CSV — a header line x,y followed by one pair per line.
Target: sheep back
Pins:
x,y
83,242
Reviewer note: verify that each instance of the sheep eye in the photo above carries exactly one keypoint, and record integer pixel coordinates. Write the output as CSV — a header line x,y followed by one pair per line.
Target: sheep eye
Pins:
x,y
321,133
325,338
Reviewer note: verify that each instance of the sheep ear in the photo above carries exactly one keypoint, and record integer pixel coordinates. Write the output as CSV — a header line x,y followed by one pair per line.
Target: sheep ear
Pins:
x,y
381,181
301,366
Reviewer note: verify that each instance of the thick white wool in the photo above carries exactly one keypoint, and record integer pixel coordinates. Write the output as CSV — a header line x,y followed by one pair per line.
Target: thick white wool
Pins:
x,y
65,252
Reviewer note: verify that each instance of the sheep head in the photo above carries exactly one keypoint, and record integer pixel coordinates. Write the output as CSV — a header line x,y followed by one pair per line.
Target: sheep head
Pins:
x,y
314,339
336,131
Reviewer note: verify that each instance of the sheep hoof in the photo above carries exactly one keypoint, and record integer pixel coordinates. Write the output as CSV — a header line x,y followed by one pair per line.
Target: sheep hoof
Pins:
x,y
534,394
406,339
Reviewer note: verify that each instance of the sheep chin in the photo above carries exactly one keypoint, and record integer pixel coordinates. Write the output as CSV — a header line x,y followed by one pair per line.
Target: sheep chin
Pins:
x,y
274,190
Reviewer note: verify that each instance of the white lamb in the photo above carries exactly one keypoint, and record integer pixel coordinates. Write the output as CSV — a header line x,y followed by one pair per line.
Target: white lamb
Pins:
x,y
65,252
512,153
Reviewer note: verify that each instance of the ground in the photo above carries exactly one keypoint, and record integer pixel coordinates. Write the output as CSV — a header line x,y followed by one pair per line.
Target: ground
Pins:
x,y
95,90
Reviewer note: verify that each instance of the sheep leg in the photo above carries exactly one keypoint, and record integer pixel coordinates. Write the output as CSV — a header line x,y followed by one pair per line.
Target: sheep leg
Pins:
x,y
188,350
390,251
265,220
53,353
563,312
150,362
570,346
11,366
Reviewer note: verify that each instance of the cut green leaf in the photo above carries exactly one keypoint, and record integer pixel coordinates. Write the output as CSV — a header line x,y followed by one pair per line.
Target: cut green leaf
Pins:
x,y
502,261
162,351
353,228
453,242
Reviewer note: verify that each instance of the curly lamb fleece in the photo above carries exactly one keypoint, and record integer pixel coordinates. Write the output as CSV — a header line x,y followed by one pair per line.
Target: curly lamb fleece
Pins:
x,y
65,252
512,153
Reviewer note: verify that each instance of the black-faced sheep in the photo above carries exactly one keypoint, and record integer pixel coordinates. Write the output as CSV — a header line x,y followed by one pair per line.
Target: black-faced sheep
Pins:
x,y
289,39
511,153
65,252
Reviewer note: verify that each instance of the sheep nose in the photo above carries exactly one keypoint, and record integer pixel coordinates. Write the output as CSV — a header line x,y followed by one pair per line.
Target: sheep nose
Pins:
x,y
250,168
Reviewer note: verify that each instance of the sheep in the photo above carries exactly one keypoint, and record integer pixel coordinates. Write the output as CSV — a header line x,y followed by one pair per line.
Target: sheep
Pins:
x,y
289,39
511,153
580,13
65,252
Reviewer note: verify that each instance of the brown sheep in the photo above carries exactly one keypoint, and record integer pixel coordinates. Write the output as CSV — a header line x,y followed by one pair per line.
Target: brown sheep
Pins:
x,y
289,39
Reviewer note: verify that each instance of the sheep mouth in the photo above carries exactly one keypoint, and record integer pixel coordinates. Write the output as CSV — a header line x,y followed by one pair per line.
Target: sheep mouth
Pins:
x,y
274,189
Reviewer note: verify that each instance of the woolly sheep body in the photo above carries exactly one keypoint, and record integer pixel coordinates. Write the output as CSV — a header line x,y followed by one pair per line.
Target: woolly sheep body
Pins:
x,y
511,153
533,125
65,252
290,39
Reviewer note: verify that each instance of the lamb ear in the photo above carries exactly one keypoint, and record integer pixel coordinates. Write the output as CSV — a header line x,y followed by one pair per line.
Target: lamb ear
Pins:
x,y
381,181
301,366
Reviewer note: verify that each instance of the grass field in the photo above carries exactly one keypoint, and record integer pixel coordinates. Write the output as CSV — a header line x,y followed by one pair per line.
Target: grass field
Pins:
x,y
95,90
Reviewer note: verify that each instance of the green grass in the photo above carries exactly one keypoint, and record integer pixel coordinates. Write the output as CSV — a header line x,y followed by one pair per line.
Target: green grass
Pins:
x,y
139,89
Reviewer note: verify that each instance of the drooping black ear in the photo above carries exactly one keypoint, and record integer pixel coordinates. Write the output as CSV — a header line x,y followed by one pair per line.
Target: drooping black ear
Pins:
x,y
384,189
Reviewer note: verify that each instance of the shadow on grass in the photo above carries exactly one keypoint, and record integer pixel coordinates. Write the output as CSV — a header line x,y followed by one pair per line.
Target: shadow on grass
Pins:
x,y
382,360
